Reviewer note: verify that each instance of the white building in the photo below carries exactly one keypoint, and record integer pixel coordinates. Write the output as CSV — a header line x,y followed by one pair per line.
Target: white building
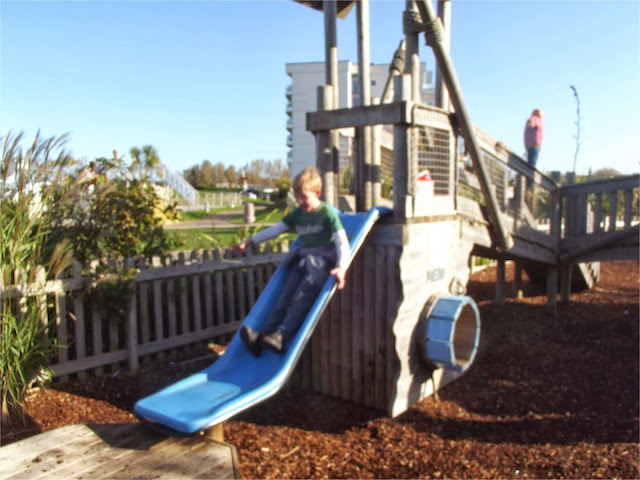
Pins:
x,y
302,98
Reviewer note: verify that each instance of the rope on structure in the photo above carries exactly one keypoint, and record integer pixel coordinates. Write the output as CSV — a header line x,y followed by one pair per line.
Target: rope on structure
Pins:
x,y
433,34
412,23
397,64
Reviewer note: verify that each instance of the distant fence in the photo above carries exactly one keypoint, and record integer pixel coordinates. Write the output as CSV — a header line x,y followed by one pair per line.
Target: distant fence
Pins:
x,y
181,299
214,200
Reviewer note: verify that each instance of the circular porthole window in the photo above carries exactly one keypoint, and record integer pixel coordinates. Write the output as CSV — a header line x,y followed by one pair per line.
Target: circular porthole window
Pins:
x,y
451,332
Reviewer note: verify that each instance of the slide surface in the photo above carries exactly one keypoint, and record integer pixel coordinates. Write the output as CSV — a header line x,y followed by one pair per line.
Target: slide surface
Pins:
x,y
238,380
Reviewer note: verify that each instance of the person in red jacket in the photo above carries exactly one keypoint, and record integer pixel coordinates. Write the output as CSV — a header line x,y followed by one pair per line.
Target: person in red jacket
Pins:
x,y
533,134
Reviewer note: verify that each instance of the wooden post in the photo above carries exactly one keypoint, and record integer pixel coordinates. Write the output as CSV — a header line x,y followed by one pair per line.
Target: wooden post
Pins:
x,y
552,288
331,47
505,190
412,68
628,207
79,320
613,211
249,212
324,154
132,332
215,433
565,281
500,279
331,78
376,159
518,280
364,198
444,13
597,214
402,186
521,186
412,63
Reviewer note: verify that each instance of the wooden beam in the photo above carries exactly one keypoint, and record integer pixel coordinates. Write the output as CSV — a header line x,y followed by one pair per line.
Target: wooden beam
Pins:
x,y
602,186
398,113
576,248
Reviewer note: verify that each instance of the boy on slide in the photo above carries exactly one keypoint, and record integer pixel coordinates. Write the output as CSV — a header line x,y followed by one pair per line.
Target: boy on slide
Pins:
x,y
323,250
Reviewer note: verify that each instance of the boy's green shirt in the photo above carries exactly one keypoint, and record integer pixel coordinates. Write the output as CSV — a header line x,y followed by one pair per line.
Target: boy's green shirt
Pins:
x,y
315,229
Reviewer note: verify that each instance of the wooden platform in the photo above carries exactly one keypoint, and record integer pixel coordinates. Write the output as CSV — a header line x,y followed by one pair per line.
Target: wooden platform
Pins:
x,y
127,450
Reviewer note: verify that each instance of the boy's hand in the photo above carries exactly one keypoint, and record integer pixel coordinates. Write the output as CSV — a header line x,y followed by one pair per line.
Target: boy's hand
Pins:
x,y
339,273
242,246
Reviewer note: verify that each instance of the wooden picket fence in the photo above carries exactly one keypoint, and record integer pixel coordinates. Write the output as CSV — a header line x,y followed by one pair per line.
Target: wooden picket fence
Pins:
x,y
177,301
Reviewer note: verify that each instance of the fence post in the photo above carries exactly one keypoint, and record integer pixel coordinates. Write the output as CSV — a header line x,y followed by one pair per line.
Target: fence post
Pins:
x,y
552,289
79,320
132,323
500,280
517,282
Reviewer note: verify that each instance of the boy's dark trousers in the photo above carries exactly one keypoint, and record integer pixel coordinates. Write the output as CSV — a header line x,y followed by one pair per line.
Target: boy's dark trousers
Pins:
x,y
296,299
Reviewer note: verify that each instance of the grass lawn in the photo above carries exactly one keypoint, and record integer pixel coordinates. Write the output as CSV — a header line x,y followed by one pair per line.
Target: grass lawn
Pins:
x,y
199,214
272,213
209,238
206,238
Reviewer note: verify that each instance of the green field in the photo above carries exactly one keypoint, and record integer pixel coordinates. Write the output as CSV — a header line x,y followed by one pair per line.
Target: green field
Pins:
x,y
209,238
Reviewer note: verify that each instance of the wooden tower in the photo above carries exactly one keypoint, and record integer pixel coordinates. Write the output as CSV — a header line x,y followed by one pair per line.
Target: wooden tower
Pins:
x,y
377,343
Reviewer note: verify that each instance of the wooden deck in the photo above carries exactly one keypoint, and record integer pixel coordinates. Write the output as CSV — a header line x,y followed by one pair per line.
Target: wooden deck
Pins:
x,y
116,451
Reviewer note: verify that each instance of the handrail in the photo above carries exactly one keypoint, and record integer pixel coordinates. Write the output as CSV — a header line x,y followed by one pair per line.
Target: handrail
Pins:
x,y
602,186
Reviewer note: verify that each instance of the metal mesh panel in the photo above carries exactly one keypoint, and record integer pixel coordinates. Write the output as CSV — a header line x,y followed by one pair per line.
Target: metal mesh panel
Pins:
x,y
345,163
434,146
498,176
386,172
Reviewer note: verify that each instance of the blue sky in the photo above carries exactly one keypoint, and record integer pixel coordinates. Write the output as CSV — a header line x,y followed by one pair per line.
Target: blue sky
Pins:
x,y
206,79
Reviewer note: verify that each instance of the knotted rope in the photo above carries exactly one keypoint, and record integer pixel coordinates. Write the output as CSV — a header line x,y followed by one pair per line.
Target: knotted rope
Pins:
x,y
412,24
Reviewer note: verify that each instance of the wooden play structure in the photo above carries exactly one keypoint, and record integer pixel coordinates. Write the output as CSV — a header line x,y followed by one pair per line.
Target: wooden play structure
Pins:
x,y
403,327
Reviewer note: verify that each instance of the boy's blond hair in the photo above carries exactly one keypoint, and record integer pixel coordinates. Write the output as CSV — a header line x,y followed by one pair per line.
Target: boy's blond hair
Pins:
x,y
308,180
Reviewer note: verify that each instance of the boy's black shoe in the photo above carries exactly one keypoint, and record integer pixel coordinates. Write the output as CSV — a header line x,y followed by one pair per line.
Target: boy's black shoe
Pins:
x,y
274,342
251,339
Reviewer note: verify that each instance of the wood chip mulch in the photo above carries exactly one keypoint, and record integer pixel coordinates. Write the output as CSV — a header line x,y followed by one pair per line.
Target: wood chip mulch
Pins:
x,y
549,396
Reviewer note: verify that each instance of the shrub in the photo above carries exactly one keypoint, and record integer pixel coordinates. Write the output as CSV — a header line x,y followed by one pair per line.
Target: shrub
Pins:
x,y
28,180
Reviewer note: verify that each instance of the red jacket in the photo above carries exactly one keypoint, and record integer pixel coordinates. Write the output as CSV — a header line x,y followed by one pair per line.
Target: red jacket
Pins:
x,y
533,132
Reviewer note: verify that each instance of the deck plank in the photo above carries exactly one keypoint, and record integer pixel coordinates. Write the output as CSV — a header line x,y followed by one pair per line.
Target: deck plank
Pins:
x,y
116,451
109,444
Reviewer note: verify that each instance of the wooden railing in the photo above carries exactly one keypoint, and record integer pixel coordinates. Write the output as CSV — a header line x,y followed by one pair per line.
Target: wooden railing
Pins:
x,y
181,299
597,215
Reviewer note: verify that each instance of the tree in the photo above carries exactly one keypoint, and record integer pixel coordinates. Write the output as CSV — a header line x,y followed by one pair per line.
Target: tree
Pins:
x,y
231,175
144,162
258,172
192,175
220,176
208,175
604,173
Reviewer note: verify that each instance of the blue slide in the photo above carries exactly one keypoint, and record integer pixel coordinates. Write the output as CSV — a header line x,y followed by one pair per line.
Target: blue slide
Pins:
x,y
238,380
